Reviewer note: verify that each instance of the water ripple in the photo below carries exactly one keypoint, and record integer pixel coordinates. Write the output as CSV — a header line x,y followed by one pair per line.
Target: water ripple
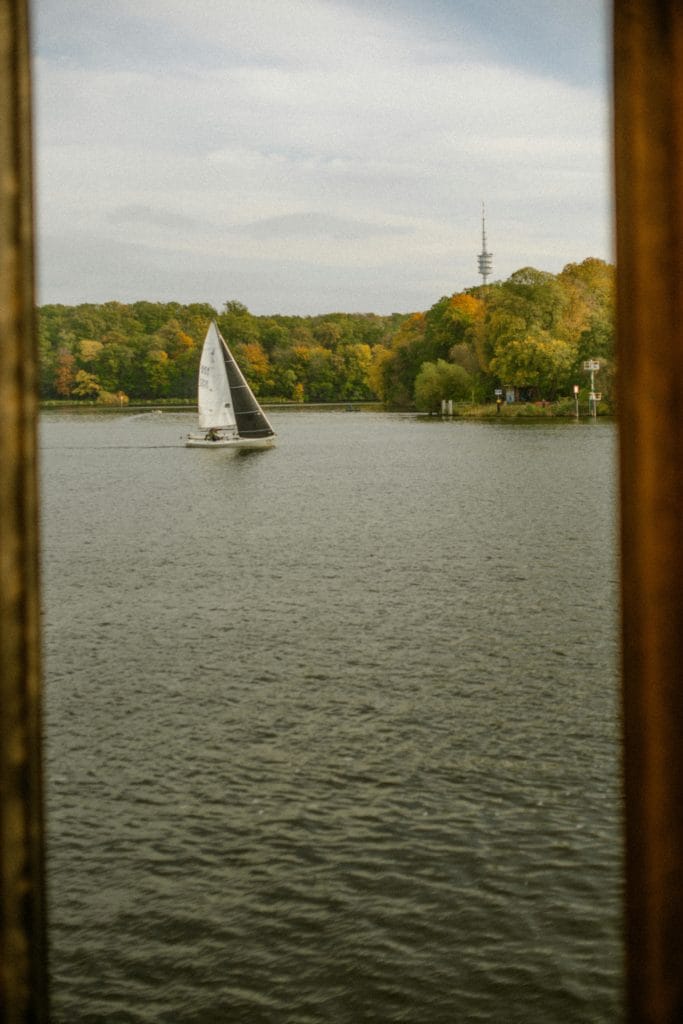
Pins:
x,y
323,746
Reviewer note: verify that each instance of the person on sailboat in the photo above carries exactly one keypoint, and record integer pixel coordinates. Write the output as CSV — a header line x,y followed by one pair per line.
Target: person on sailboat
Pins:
x,y
212,435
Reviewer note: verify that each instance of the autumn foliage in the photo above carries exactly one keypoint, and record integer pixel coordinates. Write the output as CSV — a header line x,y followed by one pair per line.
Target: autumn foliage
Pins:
x,y
530,333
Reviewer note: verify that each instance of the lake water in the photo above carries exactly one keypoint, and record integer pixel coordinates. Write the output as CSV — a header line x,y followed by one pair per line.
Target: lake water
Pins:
x,y
332,728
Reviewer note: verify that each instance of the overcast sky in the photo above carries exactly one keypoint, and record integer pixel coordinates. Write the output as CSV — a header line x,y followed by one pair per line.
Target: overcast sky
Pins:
x,y
306,156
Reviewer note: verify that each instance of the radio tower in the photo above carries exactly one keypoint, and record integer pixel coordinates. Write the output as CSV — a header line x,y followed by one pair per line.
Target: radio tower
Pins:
x,y
484,258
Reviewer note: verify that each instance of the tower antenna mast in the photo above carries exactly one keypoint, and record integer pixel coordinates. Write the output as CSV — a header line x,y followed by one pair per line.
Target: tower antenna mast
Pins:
x,y
485,258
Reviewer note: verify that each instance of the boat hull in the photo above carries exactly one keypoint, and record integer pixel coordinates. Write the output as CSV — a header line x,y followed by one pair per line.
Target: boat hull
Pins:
x,y
248,443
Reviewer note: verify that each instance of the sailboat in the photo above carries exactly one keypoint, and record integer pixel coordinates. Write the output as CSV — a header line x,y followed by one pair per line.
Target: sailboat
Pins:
x,y
229,415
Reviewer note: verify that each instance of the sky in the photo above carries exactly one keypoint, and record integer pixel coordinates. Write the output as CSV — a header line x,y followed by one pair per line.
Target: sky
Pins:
x,y
313,156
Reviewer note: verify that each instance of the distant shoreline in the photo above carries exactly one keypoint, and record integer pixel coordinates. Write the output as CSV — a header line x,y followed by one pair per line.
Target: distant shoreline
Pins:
x,y
513,412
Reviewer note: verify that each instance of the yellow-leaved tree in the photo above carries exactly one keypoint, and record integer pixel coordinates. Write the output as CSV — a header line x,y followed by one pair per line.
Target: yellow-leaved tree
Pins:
x,y
536,361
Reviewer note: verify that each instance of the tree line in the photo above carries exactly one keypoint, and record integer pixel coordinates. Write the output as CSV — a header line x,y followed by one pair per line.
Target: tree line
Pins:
x,y
529,334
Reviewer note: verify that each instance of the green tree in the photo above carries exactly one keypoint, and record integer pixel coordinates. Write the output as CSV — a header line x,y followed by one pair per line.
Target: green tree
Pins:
x,y
352,367
454,323
536,361
158,370
274,336
534,296
184,370
237,325
409,351
590,287
327,333
320,381
441,381
172,339
453,320
112,366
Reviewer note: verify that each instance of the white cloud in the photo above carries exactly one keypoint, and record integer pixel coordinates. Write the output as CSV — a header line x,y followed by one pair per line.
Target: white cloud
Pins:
x,y
357,145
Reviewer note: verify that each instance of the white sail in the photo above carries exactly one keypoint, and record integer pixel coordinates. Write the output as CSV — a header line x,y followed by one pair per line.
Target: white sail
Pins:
x,y
228,409
214,400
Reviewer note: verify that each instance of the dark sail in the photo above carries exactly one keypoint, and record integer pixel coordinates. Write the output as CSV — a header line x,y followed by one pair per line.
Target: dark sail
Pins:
x,y
251,420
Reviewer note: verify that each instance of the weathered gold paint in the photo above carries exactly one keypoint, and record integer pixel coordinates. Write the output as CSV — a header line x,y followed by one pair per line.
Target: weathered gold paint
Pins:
x,y
648,130
23,966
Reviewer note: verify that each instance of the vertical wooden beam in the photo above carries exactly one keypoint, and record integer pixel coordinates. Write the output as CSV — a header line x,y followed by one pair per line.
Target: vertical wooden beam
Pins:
x,y
648,128
23,989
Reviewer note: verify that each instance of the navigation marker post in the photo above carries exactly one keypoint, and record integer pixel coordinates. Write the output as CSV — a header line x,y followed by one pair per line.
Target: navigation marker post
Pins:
x,y
592,366
576,399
